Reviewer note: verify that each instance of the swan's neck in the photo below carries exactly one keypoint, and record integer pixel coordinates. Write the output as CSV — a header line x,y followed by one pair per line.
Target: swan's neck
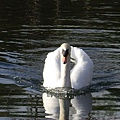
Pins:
x,y
65,74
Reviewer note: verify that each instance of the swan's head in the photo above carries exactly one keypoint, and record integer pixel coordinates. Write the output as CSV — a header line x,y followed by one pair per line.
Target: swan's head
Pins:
x,y
65,52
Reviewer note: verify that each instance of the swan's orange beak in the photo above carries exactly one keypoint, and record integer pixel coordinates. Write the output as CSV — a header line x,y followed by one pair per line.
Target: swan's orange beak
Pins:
x,y
64,60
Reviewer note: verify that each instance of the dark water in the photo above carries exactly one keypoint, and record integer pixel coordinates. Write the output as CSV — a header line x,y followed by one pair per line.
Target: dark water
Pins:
x,y
29,29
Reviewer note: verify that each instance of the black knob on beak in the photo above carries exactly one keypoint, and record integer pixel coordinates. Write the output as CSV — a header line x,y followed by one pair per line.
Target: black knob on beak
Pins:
x,y
65,52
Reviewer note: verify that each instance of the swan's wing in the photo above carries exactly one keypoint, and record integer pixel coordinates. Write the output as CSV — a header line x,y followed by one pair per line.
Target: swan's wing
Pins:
x,y
51,72
81,74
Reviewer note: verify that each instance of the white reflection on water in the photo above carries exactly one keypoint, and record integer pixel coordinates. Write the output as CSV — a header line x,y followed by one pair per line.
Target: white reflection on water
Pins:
x,y
65,109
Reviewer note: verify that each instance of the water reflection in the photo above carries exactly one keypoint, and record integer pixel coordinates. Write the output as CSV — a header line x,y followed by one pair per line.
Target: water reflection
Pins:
x,y
67,109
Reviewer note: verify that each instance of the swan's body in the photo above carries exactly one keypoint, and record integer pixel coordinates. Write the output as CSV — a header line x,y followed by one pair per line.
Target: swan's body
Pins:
x,y
57,67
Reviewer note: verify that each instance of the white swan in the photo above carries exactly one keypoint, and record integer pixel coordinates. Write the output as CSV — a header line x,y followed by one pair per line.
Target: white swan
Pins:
x,y
57,69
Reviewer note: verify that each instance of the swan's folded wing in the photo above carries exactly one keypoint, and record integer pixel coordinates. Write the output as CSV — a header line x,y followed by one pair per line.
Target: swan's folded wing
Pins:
x,y
82,72
51,72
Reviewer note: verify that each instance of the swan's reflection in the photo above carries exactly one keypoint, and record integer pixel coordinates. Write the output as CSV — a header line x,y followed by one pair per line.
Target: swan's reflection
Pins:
x,y
66,109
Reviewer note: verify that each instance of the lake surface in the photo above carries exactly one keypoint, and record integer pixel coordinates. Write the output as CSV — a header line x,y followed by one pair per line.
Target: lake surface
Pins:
x,y
29,29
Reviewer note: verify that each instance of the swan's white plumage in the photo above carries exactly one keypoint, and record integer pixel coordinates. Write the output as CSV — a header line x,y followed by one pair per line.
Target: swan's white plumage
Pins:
x,y
81,73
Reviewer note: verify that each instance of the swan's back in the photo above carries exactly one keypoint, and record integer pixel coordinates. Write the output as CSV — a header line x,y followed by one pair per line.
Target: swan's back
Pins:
x,y
82,72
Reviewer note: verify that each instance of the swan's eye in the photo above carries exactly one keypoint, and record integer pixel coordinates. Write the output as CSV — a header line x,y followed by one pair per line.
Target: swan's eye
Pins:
x,y
65,52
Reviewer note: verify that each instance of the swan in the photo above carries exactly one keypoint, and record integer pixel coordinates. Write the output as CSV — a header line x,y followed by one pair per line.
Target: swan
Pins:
x,y
57,70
